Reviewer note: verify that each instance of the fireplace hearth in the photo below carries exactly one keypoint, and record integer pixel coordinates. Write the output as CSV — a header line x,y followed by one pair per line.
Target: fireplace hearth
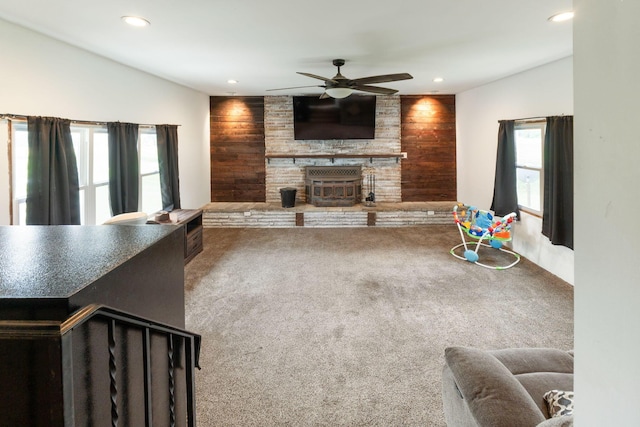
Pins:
x,y
328,186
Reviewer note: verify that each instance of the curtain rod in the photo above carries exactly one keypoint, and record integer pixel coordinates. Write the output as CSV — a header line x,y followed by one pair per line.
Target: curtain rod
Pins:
x,y
531,119
78,122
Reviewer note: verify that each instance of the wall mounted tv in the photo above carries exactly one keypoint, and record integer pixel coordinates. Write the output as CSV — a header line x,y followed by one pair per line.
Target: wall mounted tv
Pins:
x,y
353,117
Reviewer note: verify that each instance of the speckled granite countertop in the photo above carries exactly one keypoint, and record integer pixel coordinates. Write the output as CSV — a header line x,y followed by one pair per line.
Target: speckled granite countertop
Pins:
x,y
57,261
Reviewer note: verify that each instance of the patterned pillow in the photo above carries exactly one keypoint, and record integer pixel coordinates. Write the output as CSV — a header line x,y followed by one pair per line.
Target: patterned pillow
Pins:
x,y
559,402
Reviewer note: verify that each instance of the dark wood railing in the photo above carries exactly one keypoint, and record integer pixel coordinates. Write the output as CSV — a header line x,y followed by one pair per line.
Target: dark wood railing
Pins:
x,y
101,366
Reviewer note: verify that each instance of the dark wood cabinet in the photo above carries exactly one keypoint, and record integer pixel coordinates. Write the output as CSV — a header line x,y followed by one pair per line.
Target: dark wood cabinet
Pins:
x,y
191,220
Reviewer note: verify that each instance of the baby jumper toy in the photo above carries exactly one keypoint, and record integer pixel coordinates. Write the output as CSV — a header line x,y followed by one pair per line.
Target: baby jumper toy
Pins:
x,y
481,225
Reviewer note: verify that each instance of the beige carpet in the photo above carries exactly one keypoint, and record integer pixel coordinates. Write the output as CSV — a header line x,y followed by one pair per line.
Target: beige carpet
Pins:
x,y
347,327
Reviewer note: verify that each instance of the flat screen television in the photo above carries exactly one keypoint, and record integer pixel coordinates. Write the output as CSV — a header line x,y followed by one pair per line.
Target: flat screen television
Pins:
x,y
353,117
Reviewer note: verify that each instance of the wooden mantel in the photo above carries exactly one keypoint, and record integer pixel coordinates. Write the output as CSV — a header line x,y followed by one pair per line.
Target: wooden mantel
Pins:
x,y
397,156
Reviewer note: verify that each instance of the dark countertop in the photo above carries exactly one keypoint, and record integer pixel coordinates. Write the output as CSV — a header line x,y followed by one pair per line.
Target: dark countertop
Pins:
x,y
58,261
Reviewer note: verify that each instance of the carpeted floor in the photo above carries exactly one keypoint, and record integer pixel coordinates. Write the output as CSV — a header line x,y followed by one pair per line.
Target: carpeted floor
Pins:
x,y
347,327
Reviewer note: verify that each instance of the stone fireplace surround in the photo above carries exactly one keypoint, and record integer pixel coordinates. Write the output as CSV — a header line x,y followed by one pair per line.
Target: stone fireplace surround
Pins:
x,y
291,172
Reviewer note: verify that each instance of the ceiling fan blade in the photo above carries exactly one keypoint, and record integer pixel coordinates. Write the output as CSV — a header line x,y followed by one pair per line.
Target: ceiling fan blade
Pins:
x,y
324,95
294,87
383,78
374,89
317,77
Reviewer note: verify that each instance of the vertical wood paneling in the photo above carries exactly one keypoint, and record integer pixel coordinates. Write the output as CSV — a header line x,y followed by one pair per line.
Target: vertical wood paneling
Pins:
x,y
237,149
428,136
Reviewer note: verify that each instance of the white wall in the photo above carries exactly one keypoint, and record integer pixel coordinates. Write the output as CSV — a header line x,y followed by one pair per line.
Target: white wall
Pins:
x,y
41,76
607,200
539,92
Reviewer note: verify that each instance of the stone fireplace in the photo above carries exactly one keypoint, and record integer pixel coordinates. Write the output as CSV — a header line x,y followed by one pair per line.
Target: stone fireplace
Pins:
x,y
333,185
287,159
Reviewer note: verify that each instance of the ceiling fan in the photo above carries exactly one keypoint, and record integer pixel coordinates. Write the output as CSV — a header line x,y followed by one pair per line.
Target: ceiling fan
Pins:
x,y
340,87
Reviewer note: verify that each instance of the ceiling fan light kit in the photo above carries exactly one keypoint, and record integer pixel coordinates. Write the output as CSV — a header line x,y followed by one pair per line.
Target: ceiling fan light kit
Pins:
x,y
338,92
341,87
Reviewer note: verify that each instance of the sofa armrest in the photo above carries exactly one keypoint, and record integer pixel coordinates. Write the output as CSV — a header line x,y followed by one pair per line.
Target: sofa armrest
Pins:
x,y
494,396
456,411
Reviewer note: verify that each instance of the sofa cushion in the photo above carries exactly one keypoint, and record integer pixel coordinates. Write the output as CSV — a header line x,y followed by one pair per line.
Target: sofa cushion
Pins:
x,y
539,370
538,383
494,396
527,360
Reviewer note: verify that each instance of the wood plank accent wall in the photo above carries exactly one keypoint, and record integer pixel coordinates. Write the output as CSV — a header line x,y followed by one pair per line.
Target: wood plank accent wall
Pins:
x,y
428,136
237,149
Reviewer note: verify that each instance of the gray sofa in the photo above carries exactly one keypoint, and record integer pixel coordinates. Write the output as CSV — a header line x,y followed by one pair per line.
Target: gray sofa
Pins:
x,y
504,388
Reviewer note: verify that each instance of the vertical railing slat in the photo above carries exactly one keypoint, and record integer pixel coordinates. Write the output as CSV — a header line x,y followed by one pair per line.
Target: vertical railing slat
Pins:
x,y
190,380
146,354
113,387
172,383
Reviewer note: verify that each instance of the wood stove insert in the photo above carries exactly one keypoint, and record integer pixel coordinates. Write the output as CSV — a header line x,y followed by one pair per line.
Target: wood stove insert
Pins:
x,y
328,186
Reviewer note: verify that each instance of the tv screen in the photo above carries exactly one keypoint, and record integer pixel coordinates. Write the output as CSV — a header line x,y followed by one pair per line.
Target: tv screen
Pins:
x,y
353,117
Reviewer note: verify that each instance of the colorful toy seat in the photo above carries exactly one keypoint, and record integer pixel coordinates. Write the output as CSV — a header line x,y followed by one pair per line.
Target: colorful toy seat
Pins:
x,y
482,225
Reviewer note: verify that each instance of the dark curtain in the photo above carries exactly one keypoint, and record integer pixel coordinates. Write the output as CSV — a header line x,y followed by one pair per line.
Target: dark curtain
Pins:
x,y
557,217
505,194
167,137
53,196
124,170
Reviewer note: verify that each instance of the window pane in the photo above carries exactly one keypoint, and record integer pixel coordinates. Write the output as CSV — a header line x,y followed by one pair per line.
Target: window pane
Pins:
x,y
100,158
81,148
528,188
151,195
20,149
83,217
148,153
22,214
529,147
103,207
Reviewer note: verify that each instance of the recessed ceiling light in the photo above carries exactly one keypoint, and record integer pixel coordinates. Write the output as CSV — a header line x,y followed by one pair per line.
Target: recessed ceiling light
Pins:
x,y
136,21
563,16
232,81
438,79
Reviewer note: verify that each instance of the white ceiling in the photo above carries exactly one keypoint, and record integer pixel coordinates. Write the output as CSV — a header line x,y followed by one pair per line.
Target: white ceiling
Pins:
x,y
203,43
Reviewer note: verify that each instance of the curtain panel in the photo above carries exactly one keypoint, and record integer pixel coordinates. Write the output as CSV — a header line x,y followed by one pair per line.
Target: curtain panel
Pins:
x,y
53,196
557,216
167,137
505,193
124,169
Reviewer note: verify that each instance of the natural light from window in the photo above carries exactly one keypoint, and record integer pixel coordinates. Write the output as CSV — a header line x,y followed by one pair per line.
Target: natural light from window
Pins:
x,y
91,145
529,140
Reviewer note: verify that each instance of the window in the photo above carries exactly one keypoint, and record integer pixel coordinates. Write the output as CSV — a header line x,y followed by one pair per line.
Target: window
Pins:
x,y
150,193
20,153
529,141
91,145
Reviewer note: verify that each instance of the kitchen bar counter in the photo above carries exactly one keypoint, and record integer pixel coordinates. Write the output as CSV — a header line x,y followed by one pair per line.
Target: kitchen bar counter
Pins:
x,y
47,272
